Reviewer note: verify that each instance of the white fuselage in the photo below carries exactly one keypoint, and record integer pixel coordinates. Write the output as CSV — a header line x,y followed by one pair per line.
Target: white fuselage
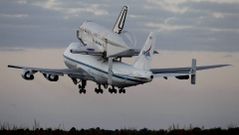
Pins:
x,y
124,75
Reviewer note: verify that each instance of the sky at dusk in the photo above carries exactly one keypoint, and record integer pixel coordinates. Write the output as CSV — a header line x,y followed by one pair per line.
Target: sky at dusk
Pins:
x,y
35,33
212,102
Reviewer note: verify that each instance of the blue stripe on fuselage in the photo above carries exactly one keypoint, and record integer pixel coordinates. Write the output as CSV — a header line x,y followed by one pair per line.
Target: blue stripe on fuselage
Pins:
x,y
121,77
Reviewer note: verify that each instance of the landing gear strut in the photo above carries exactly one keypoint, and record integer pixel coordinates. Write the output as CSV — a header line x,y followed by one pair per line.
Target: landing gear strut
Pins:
x,y
99,90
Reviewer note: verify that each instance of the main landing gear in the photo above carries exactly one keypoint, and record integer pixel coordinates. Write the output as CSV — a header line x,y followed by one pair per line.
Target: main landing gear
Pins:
x,y
99,90
111,90
122,90
82,87
114,90
82,84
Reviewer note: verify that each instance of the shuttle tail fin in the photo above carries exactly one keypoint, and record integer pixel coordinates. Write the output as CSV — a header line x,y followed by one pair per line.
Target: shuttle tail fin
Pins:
x,y
145,57
119,24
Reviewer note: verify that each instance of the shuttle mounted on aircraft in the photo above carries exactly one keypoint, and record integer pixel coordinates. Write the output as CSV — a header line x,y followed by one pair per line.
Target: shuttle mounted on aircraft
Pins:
x,y
97,57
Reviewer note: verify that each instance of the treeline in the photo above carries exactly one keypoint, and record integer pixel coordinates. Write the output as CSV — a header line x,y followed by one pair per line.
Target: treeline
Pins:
x,y
98,131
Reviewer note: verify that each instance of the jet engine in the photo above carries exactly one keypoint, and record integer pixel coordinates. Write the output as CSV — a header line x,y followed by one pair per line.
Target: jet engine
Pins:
x,y
50,77
192,73
27,75
183,77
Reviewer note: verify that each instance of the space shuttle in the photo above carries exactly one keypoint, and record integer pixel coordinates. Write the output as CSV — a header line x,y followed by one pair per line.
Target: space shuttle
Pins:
x,y
100,41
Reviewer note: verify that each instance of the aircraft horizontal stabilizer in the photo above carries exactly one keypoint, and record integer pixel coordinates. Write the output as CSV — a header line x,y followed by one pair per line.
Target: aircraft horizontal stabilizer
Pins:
x,y
183,73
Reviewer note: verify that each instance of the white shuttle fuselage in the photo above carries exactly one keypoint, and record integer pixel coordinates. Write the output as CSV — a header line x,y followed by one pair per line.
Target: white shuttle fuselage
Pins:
x,y
102,39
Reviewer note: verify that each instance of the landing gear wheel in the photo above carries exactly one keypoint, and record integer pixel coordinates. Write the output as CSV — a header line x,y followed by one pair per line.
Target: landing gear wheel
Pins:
x,y
82,87
122,90
115,91
83,91
112,90
97,91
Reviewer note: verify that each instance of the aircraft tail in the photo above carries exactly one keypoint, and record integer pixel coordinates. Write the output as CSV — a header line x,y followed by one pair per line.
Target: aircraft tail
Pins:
x,y
119,24
145,56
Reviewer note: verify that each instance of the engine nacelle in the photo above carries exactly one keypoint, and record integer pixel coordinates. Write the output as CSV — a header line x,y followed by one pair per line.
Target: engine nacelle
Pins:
x,y
50,77
27,75
183,77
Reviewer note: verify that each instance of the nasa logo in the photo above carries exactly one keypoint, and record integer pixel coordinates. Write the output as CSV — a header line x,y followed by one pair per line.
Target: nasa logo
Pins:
x,y
147,52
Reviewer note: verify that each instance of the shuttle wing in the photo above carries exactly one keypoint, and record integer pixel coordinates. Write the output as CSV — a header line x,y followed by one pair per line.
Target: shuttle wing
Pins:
x,y
80,48
90,51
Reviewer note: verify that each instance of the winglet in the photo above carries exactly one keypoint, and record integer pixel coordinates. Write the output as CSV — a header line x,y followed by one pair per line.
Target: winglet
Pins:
x,y
119,24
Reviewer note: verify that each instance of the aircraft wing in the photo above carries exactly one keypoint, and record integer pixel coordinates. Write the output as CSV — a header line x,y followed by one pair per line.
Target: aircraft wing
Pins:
x,y
73,73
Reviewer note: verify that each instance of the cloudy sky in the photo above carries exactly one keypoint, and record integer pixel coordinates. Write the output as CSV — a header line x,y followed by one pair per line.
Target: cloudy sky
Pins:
x,y
207,30
181,24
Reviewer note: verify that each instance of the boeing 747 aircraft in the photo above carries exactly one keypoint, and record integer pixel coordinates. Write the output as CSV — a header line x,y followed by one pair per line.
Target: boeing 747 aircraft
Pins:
x,y
97,57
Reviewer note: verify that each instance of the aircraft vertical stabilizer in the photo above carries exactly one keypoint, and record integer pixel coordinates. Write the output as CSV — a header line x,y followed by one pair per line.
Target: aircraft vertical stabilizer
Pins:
x,y
119,24
145,56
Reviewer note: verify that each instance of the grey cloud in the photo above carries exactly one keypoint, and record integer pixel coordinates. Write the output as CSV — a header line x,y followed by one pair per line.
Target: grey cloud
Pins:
x,y
211,24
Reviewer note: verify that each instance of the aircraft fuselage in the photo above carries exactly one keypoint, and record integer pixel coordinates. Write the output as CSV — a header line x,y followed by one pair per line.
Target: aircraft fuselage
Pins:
x,y
124,75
